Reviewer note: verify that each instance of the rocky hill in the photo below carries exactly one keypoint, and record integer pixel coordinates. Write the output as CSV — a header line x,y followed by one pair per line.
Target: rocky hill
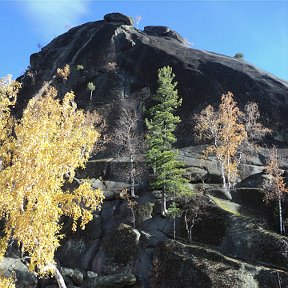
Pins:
x,y
235,242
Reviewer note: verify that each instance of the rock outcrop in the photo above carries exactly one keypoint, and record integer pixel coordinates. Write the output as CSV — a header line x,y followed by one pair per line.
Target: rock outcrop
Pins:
x,y
122,62
235,241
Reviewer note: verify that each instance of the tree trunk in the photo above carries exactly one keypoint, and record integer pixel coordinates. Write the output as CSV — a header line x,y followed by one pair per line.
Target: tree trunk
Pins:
x,y
91,93
226,189
188,229
174,227
228,174
132,177
133,218
223,177
280,216
163,203
57,275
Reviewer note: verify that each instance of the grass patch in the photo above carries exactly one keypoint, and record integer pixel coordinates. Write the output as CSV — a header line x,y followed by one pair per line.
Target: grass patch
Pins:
x,y
227,205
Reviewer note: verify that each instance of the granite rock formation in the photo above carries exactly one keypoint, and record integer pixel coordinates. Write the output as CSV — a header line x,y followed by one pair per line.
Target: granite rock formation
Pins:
x,y
235,242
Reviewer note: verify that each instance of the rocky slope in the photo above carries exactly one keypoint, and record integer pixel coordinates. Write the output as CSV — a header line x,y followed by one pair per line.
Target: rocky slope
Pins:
x,y
235,242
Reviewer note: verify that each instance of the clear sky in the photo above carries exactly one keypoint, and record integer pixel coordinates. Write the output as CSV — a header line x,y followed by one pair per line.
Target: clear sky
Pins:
x,y
258,29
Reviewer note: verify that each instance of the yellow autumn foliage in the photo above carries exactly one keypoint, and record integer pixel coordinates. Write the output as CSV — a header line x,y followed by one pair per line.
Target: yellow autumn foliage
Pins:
x,y
51,140
8,96
64,72
6,282
223,126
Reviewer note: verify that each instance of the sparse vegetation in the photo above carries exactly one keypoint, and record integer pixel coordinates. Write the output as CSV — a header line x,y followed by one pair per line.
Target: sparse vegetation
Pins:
x,y
239,56
63,73
91,87
79,67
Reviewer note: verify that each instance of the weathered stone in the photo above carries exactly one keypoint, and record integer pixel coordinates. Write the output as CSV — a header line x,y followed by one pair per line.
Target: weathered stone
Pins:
x,y
246,171
98,184
174,35
248,240
91,274
72,277
77,277
156,30
116,186
163,31
250,197
116,281
144,212
118,18
24,278
121,244
199,267
109,195
254,181
195,174
77,253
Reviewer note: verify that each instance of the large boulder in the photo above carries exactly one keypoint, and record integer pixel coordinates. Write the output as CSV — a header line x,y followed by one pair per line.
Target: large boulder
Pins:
x,y
118,18
120,280
24,278
180,265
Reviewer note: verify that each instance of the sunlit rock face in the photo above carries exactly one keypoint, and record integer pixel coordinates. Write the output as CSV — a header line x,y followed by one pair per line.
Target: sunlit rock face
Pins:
x,y
235,242
122,62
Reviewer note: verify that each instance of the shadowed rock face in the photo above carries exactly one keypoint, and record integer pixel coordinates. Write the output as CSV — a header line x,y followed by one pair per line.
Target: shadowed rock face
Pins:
x,y
122,61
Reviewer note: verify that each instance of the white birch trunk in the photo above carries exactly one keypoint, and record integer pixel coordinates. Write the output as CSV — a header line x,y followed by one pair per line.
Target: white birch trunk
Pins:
x,y
57,275
174,227
280,216
163,203
132,178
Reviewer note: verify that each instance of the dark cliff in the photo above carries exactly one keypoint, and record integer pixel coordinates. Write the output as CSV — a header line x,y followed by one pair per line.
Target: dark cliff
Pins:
x,y
122,61
235,243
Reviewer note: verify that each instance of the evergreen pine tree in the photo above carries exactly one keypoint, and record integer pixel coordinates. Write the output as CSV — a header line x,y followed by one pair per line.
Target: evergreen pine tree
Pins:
x,y
162,158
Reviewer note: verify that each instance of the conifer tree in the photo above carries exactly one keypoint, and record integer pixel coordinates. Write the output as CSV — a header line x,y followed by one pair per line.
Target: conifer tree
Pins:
x,y
162,158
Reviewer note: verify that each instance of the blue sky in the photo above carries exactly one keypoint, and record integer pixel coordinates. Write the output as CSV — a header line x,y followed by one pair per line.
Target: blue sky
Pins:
x,y
258,29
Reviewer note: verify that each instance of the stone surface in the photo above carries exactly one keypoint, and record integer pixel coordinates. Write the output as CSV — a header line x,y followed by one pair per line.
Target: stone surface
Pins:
x,y
195,174
24,278
163,31
112,281
121,244
202,76
118,18
179,265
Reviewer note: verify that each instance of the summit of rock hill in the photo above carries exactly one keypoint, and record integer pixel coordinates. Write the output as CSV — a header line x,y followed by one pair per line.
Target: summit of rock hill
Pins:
x,y
123,61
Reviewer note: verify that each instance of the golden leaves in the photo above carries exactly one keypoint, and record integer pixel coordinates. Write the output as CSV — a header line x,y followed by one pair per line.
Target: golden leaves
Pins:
x,y
227,132
6,282
63,72
275,186
52,139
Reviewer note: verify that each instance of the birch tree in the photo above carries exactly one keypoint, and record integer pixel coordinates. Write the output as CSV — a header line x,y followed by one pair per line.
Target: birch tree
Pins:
x,y
275,187
130,142
224,128
41,153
